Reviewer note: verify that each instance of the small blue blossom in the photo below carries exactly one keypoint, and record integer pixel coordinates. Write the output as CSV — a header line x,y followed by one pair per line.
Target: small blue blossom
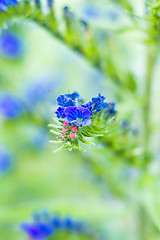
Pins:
x,y
11,45
5,160
60,112
64,101
10,106
98,102
73,95
79,116
88,105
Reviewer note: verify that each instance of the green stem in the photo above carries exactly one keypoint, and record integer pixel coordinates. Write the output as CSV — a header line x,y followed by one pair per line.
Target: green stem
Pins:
x,y
146,113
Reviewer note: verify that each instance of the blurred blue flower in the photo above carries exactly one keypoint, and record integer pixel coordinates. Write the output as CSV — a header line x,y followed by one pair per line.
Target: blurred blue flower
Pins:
x,y
39,137
6,159
79,116
109,108
50,3
10,106
98,103
69,223
5,3
11,45
44,226
37,231
91,12
37,91
57,222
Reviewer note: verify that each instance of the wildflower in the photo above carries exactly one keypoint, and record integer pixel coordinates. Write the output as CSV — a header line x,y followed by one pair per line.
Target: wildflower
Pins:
x,y
72,136
65,101
5,160
74,129
10,106
65,124
79,116
89,106
97,103
11,45
60,112
64,130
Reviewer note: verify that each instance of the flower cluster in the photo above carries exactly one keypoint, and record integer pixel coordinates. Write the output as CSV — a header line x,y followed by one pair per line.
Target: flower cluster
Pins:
x,y
5,3
77,118
44,226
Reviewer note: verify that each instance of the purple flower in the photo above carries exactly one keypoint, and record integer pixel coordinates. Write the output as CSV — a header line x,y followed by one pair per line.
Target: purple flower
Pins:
x,y
79,116
5,160
65,101
38,231
98,103
10,45
10,106
60,112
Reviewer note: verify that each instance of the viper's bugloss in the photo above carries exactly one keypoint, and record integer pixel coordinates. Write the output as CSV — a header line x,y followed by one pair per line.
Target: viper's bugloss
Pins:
x,y
79,119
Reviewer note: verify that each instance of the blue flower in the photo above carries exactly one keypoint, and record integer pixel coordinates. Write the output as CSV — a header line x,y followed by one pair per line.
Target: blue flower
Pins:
x,y
5,3
10,106
5,160
60,112
45,226
38,231
57,222
10,45
69,224
110,108
79,116
64,101
88,105
98,102
73,95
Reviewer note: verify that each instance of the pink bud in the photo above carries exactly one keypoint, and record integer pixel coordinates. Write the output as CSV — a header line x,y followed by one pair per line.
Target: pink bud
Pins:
x,y
65,124
74,129
64,130
63,138
72,136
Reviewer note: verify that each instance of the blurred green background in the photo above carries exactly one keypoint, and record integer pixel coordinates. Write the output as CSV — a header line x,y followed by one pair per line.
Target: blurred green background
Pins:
x,y
35,178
